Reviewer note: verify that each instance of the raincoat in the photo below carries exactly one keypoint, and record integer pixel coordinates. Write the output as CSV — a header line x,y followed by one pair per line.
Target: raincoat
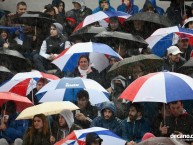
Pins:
x,y
113,124
158,10
100,8
131,9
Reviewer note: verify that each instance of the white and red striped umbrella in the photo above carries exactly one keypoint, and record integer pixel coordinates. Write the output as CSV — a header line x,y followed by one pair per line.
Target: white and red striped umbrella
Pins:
x,y
102,17
160,87
23,83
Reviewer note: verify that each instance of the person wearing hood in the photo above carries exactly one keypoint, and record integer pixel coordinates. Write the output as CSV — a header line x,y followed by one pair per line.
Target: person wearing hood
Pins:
x,y
51,47
60,5
118,85
177,12
135,126
128,6
104,5
108,118
156,8
188,23
81,11
64,126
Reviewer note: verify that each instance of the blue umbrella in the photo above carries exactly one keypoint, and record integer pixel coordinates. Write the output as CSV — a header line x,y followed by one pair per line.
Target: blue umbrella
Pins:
x,y
66,89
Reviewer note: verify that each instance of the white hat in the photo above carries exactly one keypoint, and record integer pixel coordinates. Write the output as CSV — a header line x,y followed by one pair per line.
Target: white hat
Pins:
x,y
174,50
81,2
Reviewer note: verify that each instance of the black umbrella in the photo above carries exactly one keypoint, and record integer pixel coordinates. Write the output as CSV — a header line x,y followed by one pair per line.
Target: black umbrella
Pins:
x,y
162,141
131,40
5,74
150,63
162,21
187,68
150,22
87,33
14,60
33,18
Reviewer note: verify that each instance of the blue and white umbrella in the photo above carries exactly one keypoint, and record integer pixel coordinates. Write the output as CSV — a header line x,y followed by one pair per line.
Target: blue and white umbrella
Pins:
x,y
98,54
66,89
163,38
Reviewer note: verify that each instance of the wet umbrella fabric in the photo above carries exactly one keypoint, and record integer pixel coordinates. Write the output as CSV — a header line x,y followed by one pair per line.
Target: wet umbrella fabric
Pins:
x,y
160,87
134,41
21,101
5,74
124,67
163,38
66,89
78,137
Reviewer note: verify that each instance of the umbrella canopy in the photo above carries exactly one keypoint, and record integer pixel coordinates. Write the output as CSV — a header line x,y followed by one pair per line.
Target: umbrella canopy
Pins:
x,y
13,59
160,87
124,67
133,41
101,15
47,108
5,74
187,68
78,137
35,18
86,33
98,54
67,88
162,141
21,101
23,83
163,38
155,18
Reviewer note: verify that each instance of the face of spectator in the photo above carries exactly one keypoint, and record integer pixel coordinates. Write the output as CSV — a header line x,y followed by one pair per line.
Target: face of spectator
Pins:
x,y
39,85
174,58
77,6
190,25
107,114
103,4
4,35
61,7
83,63
53,31
114,25
38,124
183,44
21,9
138,25
127,2
62,121
176,109
82,102
133,114
137,72
112,61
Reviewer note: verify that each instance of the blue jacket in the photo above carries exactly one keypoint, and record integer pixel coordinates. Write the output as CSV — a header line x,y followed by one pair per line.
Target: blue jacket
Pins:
x,y
159,10
134,131
133,10
15,128
100,9
113,124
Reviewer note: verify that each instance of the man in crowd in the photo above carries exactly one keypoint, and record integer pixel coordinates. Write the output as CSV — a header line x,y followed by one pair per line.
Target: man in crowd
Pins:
x,y
108,119
178,123
87,111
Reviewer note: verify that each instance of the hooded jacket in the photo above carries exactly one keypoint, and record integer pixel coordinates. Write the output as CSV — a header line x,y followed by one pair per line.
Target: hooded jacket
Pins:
x,y
134,131
113,124
69,118
131,9
99,8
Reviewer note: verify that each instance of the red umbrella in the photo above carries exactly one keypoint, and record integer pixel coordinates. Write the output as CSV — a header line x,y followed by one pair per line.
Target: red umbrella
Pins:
x,y
21,101
23,83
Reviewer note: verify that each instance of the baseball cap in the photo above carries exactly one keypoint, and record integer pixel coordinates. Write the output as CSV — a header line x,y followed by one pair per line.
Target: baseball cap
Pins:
x,y
174,50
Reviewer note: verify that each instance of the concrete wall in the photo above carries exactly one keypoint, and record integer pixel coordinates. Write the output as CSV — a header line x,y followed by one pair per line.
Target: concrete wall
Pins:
x,y
37,5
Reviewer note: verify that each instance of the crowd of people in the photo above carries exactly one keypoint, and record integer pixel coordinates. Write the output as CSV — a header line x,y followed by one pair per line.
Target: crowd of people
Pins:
x,y
42,43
